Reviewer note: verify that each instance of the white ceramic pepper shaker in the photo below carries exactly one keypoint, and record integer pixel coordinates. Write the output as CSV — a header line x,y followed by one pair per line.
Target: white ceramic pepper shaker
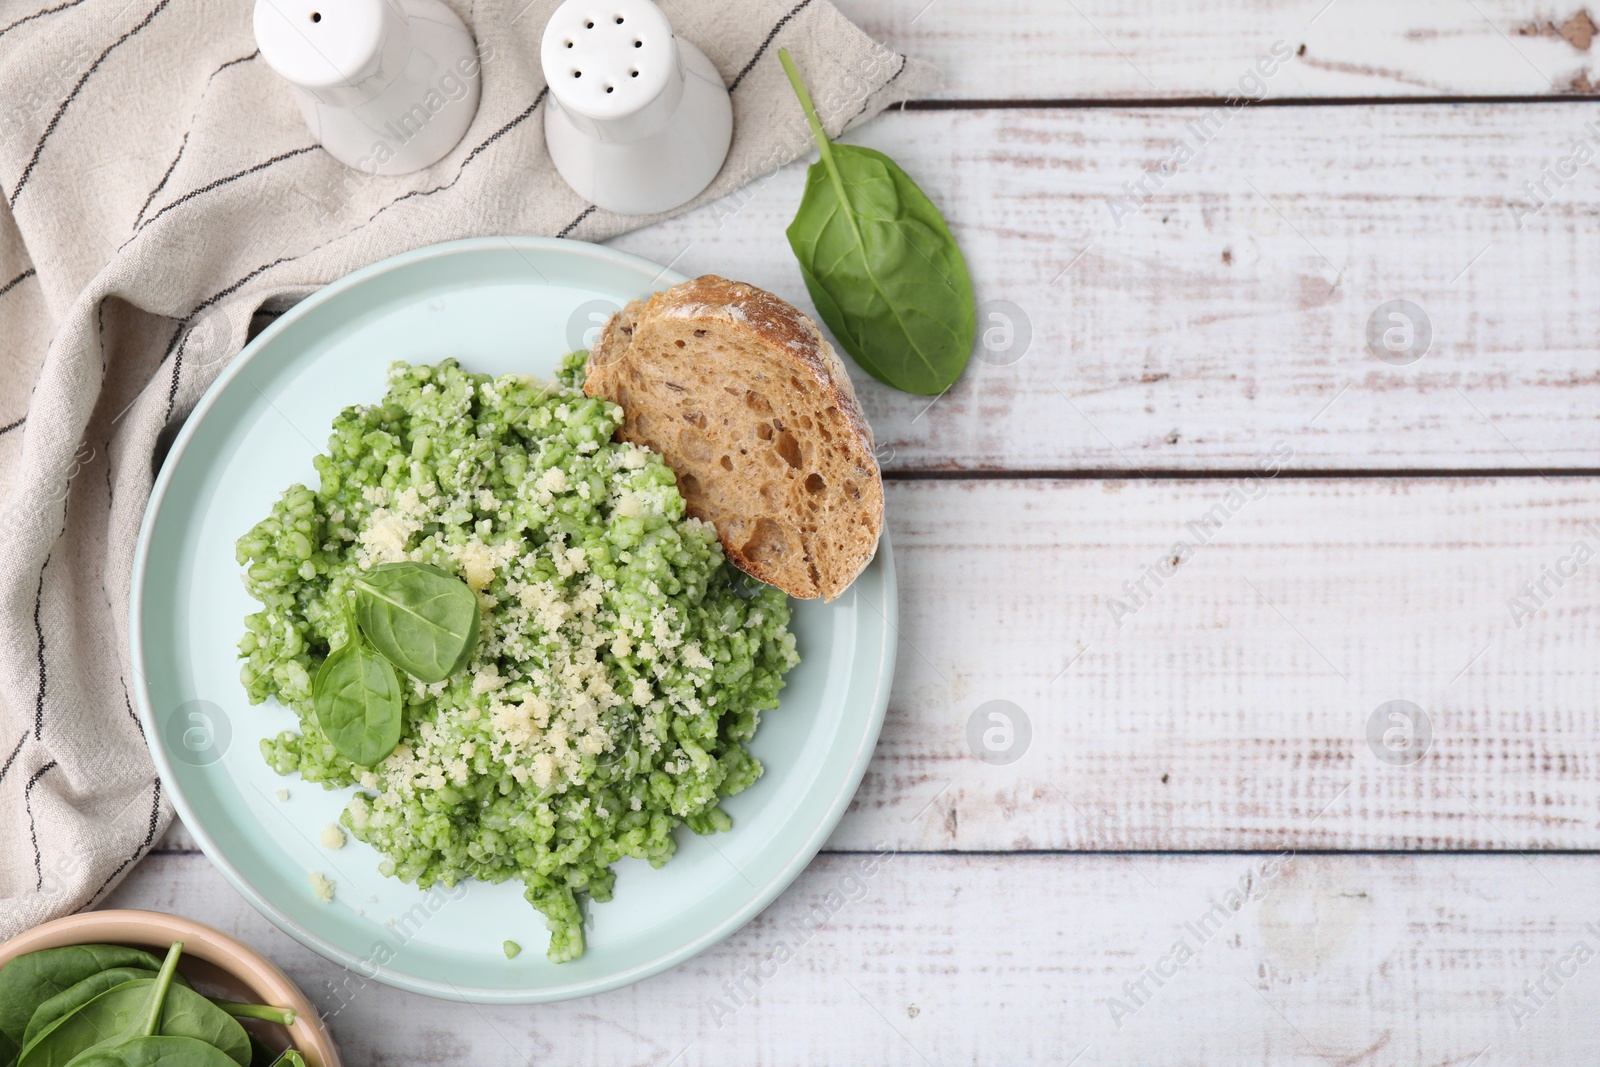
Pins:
x,y
640,121
387,86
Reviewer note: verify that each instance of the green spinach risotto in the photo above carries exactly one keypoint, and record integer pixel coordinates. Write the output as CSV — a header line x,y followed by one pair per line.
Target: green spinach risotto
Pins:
x,y
620,666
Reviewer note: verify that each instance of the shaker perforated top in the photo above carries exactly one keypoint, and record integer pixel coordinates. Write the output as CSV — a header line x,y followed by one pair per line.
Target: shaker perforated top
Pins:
x,y
323,43
608,59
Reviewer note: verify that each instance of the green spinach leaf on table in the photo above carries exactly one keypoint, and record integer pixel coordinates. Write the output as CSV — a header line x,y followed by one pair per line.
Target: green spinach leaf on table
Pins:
x,y
881,265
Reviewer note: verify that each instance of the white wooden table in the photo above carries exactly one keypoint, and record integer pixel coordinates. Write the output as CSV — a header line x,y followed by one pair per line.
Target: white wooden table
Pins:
x,y
1203,767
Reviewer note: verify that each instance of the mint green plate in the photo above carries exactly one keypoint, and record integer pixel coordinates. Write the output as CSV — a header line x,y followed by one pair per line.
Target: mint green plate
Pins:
x,y
497,305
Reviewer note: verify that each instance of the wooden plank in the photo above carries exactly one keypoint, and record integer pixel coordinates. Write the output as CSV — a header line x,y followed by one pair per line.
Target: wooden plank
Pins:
x,y
1228,705
1296,959
1233,311
1106,49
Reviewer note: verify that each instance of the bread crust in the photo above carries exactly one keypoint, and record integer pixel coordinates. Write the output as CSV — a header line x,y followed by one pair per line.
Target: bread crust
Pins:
x,y
634,347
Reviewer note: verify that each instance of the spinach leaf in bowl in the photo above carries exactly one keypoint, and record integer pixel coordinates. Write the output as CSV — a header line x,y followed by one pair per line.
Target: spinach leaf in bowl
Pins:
x,y
30,980
70,1000
157,1052
119,1014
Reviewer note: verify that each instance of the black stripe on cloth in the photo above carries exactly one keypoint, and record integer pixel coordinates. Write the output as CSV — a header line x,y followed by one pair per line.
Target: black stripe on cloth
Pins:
x,y
18,280
507,128
485,143
39,15
111,500
162,184
868,102
129,705
234,63
144,846
781,23
206,188
177,364
573,225
33,831
8,427
55,119
38,629
13,757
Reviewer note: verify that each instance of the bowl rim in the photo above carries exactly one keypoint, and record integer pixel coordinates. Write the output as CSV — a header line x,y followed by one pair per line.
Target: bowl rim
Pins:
x,y
151,929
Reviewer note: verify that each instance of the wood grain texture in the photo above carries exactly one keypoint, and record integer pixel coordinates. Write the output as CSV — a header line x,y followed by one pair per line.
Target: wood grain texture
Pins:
x,y
1296,959
1232,311
1235,699
1108,50
1227,705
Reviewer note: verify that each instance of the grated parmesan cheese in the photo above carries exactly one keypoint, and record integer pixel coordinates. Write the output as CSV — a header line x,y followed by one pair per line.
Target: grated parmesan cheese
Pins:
x,y
321,887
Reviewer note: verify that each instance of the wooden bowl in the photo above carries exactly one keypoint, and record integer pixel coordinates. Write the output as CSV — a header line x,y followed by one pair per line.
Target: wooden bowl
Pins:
x,y
216,964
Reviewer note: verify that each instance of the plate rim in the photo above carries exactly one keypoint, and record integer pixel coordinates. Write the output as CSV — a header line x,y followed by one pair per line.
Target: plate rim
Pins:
x,y
444,990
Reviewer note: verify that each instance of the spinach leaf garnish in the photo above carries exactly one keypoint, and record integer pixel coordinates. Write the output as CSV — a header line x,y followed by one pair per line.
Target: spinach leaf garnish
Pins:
x,y
356,695
422,619
881,264
413,616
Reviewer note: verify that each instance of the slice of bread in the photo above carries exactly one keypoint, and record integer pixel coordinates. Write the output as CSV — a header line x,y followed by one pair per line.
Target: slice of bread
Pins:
x,y
745,399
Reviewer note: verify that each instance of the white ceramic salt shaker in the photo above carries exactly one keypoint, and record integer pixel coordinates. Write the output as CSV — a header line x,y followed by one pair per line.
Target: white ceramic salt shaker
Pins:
x,y
387,86
641,121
